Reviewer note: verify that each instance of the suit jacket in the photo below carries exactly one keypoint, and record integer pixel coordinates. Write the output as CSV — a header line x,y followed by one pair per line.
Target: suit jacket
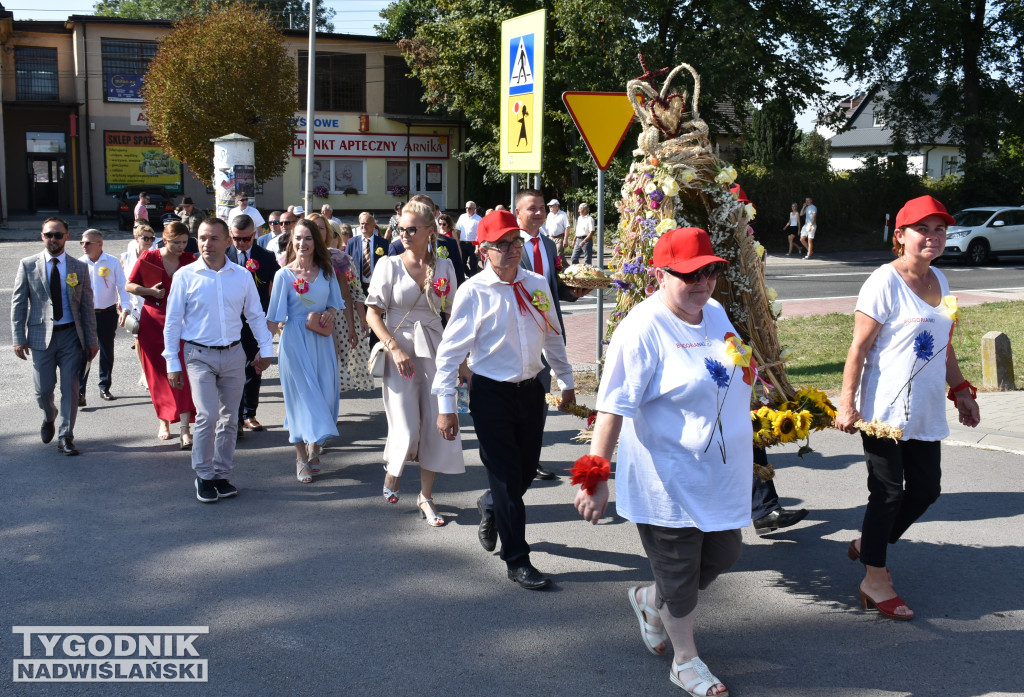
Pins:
x,y
559,291
31,308
354,248
445,242
264,275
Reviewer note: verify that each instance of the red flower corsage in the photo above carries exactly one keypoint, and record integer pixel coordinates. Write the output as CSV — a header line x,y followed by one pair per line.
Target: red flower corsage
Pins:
x,y
252,265
590,470
441,289
301,286
558,262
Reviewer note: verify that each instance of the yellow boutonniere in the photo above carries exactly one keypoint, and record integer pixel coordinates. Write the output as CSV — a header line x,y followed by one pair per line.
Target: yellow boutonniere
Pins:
x,y
739,352
952,307
103,271
72,279
379,251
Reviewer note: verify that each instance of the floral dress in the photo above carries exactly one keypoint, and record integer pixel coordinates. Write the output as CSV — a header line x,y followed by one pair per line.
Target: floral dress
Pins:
x,y
352,370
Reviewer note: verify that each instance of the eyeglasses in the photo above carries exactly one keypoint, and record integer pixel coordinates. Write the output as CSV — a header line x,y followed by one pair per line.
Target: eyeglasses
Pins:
x,y
709,271
504,247
241,239
53,235
275,222
147,238
409,231
287,222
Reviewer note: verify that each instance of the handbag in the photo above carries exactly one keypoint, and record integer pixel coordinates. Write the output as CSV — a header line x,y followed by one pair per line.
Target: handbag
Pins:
x,y
131,324
375,364
313,323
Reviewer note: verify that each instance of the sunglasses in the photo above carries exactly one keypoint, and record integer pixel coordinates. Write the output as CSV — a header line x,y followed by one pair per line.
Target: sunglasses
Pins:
x,y
53,235
275,222
241,239
409,231
147,238
709,271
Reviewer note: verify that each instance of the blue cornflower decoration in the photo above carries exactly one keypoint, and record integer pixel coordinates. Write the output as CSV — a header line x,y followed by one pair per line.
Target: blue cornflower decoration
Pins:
x,y
623,285
718,372
924,345
633,267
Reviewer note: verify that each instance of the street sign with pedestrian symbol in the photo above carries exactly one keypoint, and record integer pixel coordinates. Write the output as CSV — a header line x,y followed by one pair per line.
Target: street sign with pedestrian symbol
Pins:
x,y
522,87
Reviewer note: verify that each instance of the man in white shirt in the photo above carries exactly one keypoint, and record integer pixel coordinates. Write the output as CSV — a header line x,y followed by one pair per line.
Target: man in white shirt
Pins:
x,y
584,235
205,308
465,232
244,207
111,304
328,212
502,319
556,224
277,244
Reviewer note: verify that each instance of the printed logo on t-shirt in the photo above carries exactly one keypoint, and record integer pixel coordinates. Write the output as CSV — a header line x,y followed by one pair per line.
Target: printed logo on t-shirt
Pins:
x,y
916,320
699,344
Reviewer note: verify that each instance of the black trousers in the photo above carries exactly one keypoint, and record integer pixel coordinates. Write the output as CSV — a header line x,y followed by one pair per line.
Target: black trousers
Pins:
x,y
509,426
903,481
764,498
106,329
469,258
253,380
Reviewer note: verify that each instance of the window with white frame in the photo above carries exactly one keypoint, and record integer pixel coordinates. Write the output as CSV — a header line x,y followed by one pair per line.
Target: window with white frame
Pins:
x,y
337,176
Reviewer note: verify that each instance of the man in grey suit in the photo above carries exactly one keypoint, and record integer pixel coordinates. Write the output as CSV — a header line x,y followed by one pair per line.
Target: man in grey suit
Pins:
x,y
52,318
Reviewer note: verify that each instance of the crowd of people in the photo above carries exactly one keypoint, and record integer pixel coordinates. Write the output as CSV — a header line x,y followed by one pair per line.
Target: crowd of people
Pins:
x,y
483,311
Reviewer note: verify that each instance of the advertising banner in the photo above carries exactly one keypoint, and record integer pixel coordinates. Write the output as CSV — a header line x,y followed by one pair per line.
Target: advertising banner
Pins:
x,y
134,158
389,145
124,87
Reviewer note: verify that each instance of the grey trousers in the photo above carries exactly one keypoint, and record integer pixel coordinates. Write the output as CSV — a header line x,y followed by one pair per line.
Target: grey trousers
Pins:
x,y
217,379
66,353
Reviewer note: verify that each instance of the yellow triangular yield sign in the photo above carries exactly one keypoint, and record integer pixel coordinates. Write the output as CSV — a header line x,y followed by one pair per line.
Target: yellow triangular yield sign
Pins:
x,y
603,119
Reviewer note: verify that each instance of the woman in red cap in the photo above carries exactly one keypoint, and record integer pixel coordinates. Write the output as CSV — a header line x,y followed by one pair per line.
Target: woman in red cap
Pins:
x,y
676,387
896,372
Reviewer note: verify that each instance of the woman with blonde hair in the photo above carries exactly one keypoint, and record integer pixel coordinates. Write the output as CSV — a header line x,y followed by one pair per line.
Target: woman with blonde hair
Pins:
x,y
151,280
407,295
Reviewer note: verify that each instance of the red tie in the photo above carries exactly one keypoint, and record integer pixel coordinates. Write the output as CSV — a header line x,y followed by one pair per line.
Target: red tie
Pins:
x,y
538,259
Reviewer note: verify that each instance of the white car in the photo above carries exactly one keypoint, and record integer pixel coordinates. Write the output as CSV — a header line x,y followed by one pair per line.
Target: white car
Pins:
x,y
981,233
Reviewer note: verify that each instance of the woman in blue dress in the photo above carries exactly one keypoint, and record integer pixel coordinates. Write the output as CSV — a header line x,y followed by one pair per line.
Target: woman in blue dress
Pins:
x,y
307,362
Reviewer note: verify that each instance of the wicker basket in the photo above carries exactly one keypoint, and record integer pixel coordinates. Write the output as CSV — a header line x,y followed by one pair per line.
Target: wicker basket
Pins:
x,y
596,279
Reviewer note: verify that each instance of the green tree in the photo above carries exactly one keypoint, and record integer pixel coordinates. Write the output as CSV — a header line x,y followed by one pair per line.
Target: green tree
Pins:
x,y
741,53
287,14
966,79
189,99
773,134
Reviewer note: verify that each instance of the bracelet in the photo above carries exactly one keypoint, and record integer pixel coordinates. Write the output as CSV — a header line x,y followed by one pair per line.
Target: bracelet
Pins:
x,y
589,471
387,344
951,395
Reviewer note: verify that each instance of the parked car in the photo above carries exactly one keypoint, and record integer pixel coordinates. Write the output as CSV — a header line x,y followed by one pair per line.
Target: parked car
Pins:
x,y
979,234
160,204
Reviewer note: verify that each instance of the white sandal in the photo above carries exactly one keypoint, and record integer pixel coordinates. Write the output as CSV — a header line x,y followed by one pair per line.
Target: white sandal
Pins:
x,y
699,686
302,472
653,636
430,513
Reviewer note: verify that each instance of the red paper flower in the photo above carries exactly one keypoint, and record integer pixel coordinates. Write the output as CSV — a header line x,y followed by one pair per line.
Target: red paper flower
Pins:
x,y
301,286
558,262
349,275
441,287
590,470
252,265
591,419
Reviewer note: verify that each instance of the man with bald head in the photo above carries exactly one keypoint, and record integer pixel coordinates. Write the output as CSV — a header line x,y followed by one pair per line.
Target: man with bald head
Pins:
x,y
112,304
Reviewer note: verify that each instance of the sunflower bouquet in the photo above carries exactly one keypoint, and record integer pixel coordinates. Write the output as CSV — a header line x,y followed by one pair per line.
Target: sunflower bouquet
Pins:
x,y
793,420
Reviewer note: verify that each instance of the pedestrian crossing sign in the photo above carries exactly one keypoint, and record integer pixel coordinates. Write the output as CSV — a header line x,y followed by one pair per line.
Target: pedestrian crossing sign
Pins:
x,y
522,92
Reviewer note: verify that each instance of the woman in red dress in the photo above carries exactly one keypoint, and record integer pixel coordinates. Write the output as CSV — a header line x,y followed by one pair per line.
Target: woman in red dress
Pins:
x,y
151,280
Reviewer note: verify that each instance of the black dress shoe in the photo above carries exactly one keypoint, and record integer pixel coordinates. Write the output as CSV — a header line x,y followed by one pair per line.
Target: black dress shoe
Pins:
x,y
81,400
238,433
545,473
779,518
66,447
488,532
46,431
106,396
529,578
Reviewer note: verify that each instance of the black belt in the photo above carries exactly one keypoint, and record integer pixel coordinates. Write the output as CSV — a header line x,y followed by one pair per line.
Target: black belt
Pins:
x,y
62,327
521,383
107,309
215,348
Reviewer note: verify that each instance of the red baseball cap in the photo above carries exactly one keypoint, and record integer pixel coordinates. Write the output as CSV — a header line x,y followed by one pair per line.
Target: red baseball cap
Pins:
x,y
684,249
917,209
496,225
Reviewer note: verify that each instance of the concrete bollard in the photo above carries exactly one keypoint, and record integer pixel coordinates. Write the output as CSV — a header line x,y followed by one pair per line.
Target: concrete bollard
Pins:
x,y
997,362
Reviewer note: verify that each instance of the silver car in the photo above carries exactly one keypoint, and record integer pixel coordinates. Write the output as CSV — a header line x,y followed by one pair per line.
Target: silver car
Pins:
x,y
979,234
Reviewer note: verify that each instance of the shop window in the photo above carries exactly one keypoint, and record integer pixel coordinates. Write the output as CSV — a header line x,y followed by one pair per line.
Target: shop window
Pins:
x,y
337,176
403,94
340,81
35,74
41,141
397,177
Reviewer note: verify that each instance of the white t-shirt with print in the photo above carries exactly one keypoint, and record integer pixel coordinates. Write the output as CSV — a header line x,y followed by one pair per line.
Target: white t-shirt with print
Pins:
x,y
656,378
906,319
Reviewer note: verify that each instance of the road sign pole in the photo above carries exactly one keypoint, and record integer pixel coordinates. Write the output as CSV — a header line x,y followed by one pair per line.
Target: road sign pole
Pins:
x,y
600,265
515,191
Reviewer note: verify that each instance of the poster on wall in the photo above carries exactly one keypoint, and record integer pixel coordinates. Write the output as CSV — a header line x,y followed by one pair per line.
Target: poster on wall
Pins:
x,y
245,182
124,87
134,158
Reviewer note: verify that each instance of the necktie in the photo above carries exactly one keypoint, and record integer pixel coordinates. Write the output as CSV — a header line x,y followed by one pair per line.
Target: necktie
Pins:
x,y
366,257
55,295
245,258
538,258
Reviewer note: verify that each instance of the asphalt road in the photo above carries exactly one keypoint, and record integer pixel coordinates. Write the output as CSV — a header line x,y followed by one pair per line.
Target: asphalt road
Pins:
x,y
325,589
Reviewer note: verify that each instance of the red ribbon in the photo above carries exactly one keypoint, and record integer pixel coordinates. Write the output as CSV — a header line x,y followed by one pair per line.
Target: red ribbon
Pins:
x,y
525,306
589,471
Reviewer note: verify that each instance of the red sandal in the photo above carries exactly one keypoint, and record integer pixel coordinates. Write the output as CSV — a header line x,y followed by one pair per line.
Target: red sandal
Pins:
x,y
886,608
